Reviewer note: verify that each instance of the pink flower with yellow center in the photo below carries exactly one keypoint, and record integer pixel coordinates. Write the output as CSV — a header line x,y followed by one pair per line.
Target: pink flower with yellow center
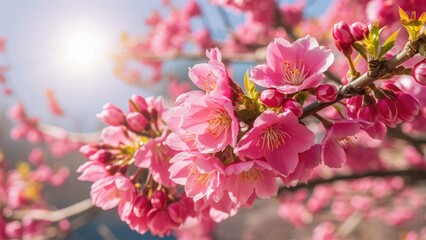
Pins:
x,y
203,176
111,191
248,178
293,67
210,119
278,139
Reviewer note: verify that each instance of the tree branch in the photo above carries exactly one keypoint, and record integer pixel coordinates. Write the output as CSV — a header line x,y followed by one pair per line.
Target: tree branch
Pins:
x,y
413,175
355,87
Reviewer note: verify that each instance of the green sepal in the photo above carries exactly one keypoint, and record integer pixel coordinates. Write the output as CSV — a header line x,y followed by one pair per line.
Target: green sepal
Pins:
x,y
250,87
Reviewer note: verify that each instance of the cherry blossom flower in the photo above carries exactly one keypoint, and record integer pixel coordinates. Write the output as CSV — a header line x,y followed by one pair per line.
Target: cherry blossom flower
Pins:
x,y
292,67
277,138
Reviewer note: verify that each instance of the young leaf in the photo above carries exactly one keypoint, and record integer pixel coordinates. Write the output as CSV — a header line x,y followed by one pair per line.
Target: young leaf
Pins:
x,y
250,87
388,44
361,50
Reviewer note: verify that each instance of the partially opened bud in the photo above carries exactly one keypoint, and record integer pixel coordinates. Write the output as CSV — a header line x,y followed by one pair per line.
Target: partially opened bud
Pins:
x,y
359,30
159,199
408,106
343,37
272,97
137,104
111,115
419,72
326,93
387,110
136,121
293,106
141,206
102,156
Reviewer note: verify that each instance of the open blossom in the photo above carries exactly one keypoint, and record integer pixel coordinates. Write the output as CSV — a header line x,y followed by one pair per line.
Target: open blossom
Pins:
x,y
111,191
336,139
292,67
277,138
155,155
211,119
203,176
248,178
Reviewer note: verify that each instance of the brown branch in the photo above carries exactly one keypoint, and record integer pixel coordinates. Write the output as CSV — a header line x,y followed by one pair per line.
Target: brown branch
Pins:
x,y
73,211
413,175
357,86
60,133
415,142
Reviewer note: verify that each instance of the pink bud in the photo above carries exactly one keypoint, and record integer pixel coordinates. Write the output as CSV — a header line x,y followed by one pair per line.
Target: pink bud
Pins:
x,y
17,112
88,149
111,115
141,206
408,106
13,229
359,30
293,106
387,110
139,102
326,93
36,156
272,97
191,9
177,212
102,156
419,72
159,199
343,37
136,121
368,113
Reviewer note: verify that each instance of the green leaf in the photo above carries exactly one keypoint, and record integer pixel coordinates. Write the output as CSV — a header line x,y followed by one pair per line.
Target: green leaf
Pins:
x,y
388,44
361,50
250,87
403,16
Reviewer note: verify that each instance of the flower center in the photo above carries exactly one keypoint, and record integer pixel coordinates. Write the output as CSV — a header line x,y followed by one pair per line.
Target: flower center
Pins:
x,y
294,75
345,142
272,139
252,174
219,124
201,178
210,81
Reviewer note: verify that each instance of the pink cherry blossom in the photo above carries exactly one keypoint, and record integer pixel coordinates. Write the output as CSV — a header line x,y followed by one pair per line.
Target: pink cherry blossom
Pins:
x,y
277,138
203,176
246,178
111,191
292,67
336,139
92,171
210,119
156,156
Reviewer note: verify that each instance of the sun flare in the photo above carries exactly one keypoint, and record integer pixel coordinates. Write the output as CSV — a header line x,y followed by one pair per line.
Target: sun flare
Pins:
x,y
84,49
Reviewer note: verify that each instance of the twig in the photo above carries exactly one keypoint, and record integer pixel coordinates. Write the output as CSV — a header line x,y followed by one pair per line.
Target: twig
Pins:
x,y
411,174
60,133
355,87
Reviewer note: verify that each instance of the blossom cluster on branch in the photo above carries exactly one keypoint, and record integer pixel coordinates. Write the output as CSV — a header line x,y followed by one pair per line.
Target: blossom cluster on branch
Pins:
x,y
312,111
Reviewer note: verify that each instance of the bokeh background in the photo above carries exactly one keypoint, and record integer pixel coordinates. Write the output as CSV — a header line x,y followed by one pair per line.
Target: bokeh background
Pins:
x,y
38,35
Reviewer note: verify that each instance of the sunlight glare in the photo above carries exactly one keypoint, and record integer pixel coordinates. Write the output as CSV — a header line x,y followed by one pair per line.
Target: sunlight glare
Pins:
x,y
84,49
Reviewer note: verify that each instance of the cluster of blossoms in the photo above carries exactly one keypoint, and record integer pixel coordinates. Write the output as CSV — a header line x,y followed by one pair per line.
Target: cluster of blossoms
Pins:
x,y
129,169
22,201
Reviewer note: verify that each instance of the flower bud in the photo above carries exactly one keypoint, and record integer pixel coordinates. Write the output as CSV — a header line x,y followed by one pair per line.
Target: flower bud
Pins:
x,y
177,212
368,113
272,97
419,72
293,106
141,206
359,30
343,37
139,102
191,9
136,121
408,106
159,199
102,156
326,93
387,110
88,149
111,115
